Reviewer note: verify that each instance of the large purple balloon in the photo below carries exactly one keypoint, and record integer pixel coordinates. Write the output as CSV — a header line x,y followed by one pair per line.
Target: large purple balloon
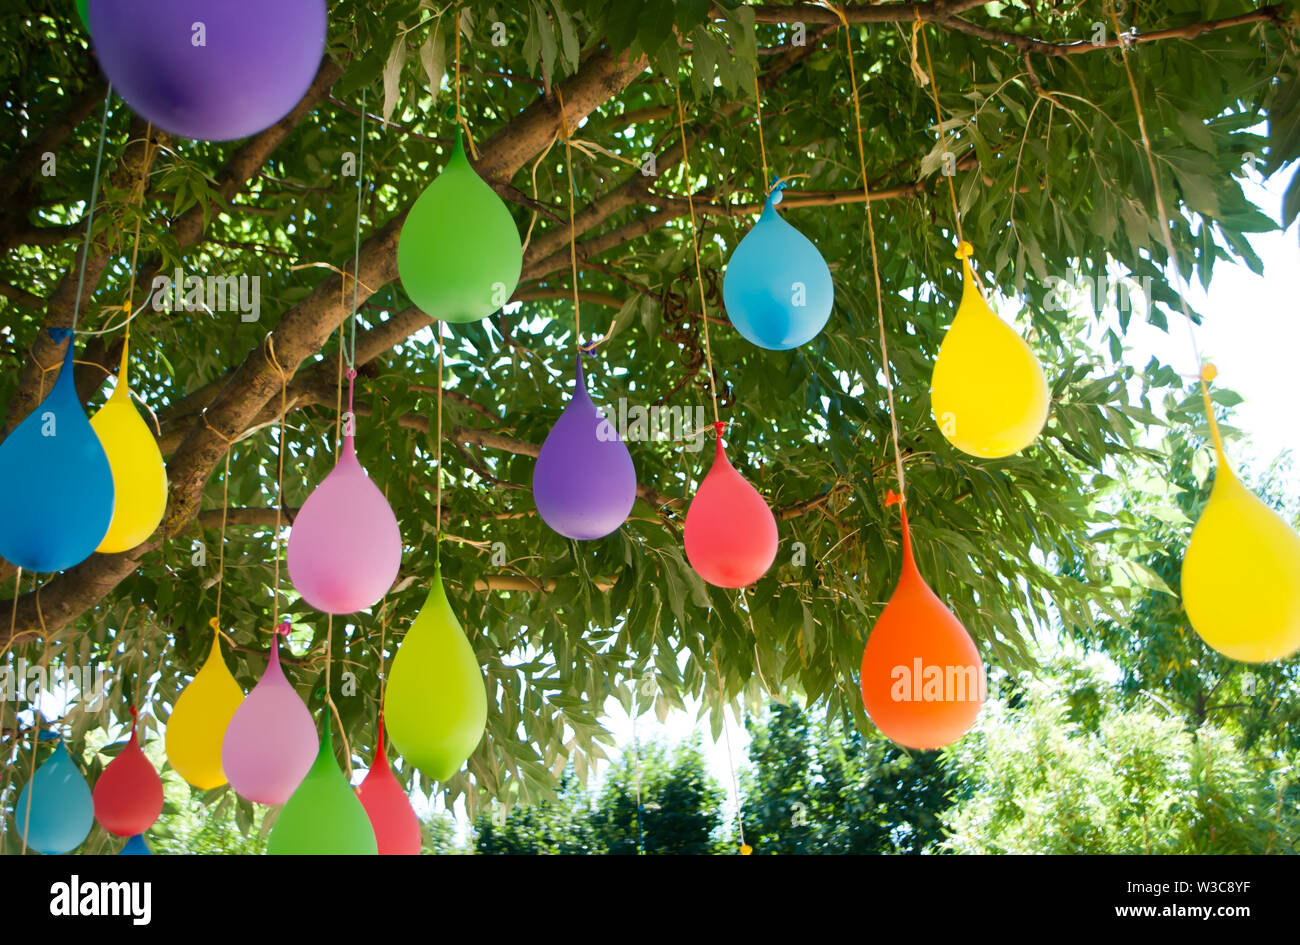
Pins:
x,y
584,483
210,69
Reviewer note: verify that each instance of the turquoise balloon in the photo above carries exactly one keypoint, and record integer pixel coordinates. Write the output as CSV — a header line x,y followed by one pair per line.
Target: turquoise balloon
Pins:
x,y
61,807
777,288
136,847
55,482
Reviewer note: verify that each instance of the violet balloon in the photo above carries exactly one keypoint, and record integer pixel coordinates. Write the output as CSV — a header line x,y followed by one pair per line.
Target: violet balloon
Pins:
x,y
345,548
271,741
213,71
584,482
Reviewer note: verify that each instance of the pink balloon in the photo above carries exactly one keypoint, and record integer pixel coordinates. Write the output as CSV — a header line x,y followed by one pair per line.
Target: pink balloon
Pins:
x,y
345,547
271,740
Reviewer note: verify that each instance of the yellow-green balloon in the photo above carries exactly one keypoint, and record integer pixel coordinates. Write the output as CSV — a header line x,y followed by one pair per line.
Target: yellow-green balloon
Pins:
x,y
323,815
436,704
459,255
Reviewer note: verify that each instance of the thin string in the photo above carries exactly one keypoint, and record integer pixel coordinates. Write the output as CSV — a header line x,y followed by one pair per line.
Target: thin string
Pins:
x,y
90,212
938,114
573,232
279,479
1205,372
460,117
762,148
731,763
875,259
123,375
695,248
437,541
356,248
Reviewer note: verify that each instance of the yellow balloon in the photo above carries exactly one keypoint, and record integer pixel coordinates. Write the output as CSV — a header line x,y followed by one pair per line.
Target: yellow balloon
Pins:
x,y
988,393
436,703
198,722
1241,574
139,475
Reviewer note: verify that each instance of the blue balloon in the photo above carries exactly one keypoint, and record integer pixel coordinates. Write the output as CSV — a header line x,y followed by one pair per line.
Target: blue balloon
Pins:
x,y
136,847
62,810
56,486
777,289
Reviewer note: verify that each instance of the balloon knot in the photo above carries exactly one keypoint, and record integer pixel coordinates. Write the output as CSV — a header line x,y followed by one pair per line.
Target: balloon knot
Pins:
x,y
216,627
589,349
965,250
1209,372
126,307
282,628
720,427
60,334
134,712
746,849
892,498
352,374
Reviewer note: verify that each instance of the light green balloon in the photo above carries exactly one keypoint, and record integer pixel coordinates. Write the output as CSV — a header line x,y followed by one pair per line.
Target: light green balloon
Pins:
x,y
323,815
459,255
436,703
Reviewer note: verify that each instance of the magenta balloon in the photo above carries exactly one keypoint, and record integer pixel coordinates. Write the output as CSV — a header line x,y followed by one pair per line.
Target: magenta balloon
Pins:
x,y
584,482
208,69
271,740
345,548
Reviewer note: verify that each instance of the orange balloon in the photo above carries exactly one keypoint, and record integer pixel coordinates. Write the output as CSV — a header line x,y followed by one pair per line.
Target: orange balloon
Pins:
x,y
922,678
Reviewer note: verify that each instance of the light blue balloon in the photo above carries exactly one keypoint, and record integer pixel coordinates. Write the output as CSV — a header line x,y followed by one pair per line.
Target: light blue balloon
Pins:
x,y
136,847
777,288
56,487
62,810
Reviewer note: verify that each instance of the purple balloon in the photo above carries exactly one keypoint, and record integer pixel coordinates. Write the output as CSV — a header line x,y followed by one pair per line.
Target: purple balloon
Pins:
x,y
210,69
584,483
271,740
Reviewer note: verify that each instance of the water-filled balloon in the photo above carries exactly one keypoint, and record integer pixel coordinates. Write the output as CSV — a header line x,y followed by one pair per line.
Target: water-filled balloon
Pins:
x,y
271,740
139,474
198,722
777,289
345,548
397,829
988,393
922,681
56,482
459,255
135,847
436,703
83,14
730,532
1241,572
323,817
213,71
129,794
584,482
61,812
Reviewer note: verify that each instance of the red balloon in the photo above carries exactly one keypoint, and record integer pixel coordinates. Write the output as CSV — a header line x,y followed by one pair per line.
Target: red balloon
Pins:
x,y
730,532
922,678
397,829
129,794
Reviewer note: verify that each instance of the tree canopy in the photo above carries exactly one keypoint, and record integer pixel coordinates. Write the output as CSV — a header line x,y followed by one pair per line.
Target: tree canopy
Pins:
x,y
1039,130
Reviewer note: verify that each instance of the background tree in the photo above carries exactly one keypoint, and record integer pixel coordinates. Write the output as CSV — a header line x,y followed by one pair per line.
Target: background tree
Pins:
x,y
1049,172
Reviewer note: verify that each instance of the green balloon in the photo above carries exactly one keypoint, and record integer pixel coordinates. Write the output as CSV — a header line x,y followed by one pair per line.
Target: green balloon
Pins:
x,y
84,12
459,255
435,703
323,815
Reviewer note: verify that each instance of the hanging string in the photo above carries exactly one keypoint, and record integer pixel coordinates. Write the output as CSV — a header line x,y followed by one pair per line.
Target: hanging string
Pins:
x,y
135,254
460,117
90,210
437,540
1205,372
731,762
762,148
919,27
279,478
573,232
356,240
695,248
875,258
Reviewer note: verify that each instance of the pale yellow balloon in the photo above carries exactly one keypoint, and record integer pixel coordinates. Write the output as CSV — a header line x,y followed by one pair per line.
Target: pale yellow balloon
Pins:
x,y
139,475
988,393
435,702
1241,575
198,722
